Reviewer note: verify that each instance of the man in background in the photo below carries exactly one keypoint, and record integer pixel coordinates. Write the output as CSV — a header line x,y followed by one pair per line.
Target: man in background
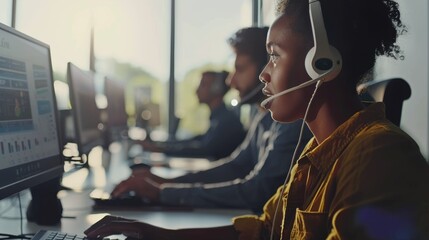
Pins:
x,y
225,132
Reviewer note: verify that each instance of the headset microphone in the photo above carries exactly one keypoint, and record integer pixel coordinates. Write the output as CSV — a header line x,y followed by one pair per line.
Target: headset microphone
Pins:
x,y
251,94
302,85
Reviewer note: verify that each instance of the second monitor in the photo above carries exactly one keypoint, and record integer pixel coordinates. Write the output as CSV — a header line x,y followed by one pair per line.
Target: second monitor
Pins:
x,y
117,117
86,115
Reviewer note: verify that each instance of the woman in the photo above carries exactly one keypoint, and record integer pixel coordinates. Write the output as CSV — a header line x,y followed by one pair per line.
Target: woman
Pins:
x,y
360,177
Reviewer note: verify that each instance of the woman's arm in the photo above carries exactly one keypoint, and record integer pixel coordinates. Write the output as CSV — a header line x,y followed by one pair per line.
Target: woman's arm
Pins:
x,y
111,225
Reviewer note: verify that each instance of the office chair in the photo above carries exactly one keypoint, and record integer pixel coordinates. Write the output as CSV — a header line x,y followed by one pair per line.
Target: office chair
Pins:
x,y
392,92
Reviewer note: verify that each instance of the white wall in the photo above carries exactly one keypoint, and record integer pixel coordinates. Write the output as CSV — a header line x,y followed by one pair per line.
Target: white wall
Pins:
x,y
414,69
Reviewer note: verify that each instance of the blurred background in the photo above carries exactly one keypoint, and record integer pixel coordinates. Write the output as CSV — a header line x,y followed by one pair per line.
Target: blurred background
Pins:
x,y
157,50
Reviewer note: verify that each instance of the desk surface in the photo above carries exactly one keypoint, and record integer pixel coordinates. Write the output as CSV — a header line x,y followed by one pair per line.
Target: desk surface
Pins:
x,y
79,214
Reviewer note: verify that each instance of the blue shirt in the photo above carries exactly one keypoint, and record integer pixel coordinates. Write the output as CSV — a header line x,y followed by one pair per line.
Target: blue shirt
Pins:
x,y
223,136
248,177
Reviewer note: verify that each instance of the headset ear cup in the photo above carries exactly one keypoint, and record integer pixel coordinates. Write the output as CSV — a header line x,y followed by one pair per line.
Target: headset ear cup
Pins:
x,y
316,65
337,64
309,67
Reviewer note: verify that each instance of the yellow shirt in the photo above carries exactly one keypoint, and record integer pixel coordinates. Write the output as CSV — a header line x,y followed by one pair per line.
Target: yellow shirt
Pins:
x,y
368,180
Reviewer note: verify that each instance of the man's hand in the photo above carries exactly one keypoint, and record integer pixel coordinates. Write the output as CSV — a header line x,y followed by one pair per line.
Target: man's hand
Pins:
x,y
142,182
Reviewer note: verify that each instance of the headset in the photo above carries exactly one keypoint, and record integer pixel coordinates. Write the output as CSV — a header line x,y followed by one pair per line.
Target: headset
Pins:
x,y
323,62
255,91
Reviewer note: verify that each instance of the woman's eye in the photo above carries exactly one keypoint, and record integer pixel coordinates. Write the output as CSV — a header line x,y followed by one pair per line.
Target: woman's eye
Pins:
x,y
273,57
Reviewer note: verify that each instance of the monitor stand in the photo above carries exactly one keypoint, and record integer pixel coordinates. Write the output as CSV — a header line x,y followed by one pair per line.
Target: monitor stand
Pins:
x,y
45,208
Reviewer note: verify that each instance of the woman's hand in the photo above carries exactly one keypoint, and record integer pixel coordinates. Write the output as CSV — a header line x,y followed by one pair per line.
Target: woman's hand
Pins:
x,y
111,225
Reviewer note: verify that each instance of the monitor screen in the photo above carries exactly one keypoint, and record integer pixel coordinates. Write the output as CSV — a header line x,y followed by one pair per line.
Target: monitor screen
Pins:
x,y
86,114
29,141
117,118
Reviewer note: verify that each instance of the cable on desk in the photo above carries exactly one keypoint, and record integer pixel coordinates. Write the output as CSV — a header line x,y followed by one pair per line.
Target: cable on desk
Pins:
x,y
20,213
12,204
5,236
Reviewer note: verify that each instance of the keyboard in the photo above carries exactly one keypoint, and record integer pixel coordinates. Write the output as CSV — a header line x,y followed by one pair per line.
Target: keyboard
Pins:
x,y
54,235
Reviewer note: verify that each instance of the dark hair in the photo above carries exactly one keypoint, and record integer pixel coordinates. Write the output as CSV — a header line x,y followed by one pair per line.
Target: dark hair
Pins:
x,y
359,29
219,85
251,41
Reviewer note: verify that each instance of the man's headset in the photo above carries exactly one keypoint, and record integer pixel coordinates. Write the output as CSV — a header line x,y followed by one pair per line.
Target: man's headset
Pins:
x,y
255,91
323,62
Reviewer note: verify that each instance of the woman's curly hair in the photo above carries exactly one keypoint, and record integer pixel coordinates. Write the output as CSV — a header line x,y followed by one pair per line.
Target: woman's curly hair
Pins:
x,y
388,35
360,29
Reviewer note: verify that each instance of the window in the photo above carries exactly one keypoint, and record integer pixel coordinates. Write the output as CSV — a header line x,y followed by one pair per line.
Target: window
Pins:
x,y
6,12
202,28
130,42
64,25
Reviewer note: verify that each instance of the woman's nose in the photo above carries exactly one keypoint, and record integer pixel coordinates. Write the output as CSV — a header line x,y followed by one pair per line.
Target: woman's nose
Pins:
x,y
263,78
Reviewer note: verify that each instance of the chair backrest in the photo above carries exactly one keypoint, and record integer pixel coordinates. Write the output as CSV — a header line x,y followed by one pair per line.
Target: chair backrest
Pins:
x,y
392,92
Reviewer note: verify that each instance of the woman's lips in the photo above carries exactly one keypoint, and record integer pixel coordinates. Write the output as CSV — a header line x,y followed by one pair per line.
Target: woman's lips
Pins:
x,y
267,93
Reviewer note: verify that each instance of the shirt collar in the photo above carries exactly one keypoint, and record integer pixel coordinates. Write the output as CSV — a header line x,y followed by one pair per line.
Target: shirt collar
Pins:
x,y
322,156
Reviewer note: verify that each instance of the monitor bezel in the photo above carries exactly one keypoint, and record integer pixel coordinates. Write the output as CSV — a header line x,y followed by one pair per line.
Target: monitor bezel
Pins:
x,y
51,173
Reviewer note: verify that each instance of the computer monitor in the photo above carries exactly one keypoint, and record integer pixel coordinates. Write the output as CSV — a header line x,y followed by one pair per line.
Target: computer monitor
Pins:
x,y
86,115
29,140
117,117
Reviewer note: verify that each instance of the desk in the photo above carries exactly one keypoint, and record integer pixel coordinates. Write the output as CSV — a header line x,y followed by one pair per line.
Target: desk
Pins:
x,y
79,214
111,167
